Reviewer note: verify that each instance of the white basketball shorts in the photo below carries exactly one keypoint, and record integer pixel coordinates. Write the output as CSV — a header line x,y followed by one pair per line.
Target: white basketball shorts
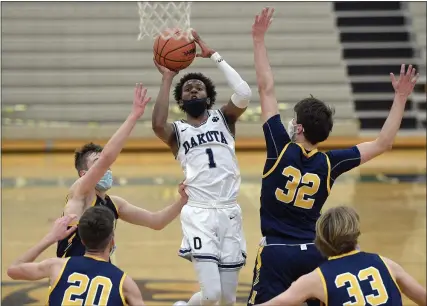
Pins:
x,y
214,234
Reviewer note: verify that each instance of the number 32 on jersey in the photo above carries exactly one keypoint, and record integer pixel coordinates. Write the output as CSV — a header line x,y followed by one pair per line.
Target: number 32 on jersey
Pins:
x,y
299,188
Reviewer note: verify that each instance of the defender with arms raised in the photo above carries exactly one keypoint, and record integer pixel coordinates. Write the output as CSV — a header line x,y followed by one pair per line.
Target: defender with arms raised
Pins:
x,y
204,146
298,178
350,276
81,280
93,163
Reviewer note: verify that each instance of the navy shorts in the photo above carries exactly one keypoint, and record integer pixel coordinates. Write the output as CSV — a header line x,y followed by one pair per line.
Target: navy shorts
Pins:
x,y
278,266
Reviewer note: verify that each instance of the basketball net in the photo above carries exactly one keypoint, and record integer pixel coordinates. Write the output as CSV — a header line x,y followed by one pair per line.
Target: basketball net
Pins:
x,y
163,18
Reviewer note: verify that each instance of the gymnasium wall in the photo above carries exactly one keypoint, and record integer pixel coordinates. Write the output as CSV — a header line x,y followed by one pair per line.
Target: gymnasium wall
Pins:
x,y
69,68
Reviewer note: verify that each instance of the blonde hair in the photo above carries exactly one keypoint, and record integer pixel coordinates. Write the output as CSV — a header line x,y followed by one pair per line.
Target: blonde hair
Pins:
x,y
337,231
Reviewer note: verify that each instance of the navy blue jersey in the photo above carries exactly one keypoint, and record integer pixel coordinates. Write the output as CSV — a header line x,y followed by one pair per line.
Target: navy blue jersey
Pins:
x,y
72,245
359,278
296,184
88,280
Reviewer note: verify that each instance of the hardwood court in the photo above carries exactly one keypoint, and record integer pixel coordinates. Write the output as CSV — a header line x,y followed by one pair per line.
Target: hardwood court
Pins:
x,y
393,216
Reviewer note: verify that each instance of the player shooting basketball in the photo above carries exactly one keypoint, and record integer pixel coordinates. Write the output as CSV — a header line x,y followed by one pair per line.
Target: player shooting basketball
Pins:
x,y
298,178
204,145
93,164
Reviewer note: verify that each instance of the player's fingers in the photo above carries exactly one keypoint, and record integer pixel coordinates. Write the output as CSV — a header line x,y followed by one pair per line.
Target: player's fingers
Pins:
x,y
146,100
409,71
71,230
265,14
413,73
137,90
270,13
393,78
402,70
415,79
143,92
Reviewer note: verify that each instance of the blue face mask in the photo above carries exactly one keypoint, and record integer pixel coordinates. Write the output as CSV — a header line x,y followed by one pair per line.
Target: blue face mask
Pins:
x,y
106,182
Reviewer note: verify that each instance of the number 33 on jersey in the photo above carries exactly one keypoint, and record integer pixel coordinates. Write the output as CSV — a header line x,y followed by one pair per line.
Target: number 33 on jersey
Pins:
x,y
207,156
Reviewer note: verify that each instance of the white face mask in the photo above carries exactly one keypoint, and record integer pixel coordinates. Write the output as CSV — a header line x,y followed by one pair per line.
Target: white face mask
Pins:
x,y
292,129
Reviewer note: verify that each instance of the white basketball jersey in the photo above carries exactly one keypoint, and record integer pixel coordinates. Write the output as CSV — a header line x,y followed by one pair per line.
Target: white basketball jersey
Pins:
x,y
207,156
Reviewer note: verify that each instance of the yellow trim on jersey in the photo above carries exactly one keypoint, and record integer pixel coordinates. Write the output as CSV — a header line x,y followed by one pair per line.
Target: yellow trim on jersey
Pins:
x,y
115,206
308,155
391,274
52,287
328,182
95,257
325,288
344,255
121,289
277,162
70,242
94,201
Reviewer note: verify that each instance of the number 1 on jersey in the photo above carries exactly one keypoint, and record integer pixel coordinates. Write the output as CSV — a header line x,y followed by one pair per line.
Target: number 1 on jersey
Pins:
x,y
211,158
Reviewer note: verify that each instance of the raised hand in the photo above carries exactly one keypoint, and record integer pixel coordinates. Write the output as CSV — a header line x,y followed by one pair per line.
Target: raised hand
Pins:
x,y
60,228
262,23
164,71
140,100
406,82
206,50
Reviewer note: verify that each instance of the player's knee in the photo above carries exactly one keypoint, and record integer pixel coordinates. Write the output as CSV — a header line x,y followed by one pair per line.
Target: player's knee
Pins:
x,y
211,294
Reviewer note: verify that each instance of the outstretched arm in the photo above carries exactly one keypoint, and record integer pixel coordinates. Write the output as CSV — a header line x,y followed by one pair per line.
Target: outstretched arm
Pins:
x,y
275,133
23,268
403,87
239,101
407,284
344,160
154,220
264,74
161,127
306,287
112,149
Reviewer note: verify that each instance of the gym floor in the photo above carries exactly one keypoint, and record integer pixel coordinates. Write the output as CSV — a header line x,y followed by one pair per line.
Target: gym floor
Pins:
x,y
389,193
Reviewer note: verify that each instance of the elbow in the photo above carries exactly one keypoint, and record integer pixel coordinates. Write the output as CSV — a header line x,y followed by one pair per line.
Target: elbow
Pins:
x,y
384,146
244,91
156,222
157,226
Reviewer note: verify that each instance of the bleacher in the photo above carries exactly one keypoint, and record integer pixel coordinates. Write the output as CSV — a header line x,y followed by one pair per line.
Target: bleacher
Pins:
x,y
69,68
417,22
377,37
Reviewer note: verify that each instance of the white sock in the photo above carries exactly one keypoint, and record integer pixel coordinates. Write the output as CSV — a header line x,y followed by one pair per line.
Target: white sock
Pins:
x,y
229,283
195,300
210,284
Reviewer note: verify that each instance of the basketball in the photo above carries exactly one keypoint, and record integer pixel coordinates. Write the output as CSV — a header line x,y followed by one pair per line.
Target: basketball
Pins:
x,y
175,53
